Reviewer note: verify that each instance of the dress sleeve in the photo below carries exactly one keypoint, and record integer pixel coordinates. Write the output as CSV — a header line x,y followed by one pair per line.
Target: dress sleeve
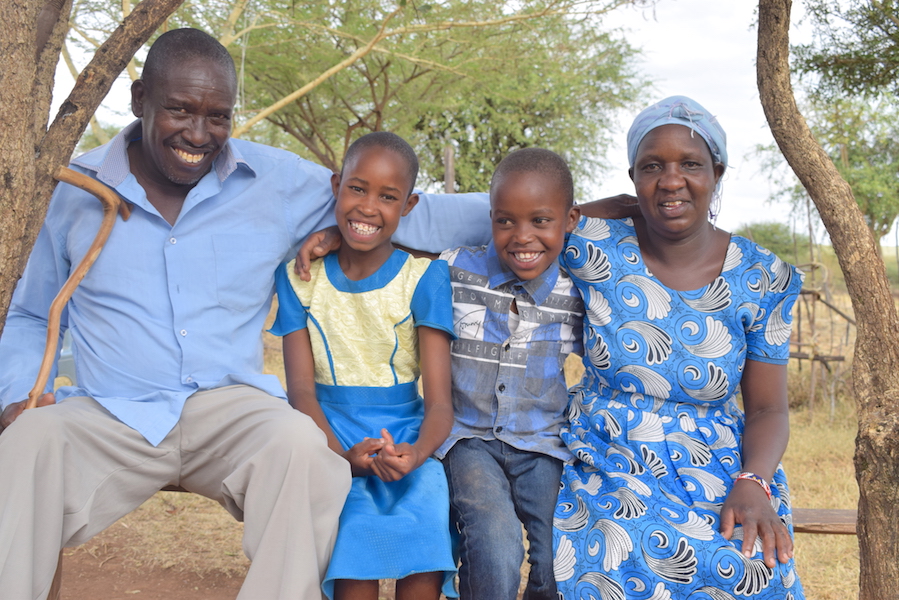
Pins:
x,y
291,314
432,301
768,338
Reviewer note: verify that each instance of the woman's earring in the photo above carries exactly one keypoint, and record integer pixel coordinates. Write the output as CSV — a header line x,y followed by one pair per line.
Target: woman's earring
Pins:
x,y
714,208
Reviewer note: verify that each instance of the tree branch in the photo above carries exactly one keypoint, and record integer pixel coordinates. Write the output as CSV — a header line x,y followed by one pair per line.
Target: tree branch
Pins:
x,y
382,33
418,28
875,366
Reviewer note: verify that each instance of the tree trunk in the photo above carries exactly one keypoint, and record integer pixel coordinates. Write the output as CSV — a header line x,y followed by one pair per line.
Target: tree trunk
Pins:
x,y
31,151
875,369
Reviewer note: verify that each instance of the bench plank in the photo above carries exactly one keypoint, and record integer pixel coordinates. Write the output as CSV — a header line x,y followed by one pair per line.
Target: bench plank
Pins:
x,y
824,520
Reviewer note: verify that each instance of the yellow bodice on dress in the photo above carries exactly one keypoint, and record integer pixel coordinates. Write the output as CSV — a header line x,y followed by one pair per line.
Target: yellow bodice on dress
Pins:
x,y
362,338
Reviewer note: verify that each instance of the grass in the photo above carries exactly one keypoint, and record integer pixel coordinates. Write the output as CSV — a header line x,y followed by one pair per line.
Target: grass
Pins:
x,y
819,466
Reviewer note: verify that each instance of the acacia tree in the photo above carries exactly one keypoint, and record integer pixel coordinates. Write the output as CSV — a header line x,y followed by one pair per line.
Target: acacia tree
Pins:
x,y
31,35
875,368
861,136
488,76
855,49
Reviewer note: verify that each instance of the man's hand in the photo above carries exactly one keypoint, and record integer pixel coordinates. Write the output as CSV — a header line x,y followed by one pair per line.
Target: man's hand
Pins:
x,y
317,245
613,207
12,412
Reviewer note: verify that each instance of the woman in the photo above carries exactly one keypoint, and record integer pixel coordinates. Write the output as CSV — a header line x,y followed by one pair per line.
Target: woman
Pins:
x,y
676,493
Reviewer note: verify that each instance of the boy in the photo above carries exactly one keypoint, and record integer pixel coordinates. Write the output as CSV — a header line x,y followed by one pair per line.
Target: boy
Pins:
x,y
517,317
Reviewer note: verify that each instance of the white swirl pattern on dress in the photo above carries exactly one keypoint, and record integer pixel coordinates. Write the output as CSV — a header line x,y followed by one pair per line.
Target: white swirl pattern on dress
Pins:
x,y
717,388
715,297
717,342
680,567
657,340
653,383
658,301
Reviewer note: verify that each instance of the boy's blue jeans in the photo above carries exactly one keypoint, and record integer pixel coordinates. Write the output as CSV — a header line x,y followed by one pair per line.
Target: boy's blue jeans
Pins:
x,y
494,490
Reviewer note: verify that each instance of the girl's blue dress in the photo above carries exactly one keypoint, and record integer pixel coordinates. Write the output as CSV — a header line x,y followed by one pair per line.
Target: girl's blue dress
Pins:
x,y
366,371
656,427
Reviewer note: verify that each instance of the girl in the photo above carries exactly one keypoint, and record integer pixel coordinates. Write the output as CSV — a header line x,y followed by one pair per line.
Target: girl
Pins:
x,y
352,340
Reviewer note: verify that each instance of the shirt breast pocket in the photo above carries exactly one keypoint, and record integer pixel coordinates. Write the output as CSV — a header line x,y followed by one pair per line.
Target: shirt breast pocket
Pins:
x,y
544,367
245,269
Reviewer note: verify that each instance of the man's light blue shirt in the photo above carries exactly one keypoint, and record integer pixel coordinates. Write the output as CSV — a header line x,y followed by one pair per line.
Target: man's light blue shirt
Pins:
x,y
168,310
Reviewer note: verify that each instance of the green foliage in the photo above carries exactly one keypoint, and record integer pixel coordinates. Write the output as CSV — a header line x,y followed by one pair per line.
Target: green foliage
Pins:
x,y
487,76
861,136
489,88
552,81
855,48
559,89
779,239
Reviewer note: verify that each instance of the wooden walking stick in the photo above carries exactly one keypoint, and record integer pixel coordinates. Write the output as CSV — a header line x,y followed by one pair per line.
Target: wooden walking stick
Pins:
x,y
112,205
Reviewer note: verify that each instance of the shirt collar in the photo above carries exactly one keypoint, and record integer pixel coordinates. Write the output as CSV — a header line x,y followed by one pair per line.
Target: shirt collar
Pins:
x,y
538,288
110,162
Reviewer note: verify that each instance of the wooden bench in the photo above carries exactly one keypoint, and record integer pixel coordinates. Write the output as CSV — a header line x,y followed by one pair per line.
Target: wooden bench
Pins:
x,y
824,520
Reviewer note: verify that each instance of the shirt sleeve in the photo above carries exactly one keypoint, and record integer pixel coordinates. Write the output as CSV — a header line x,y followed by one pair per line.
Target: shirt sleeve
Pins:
x,y
442,221
25,332
432,301
309,204
291,314
768,338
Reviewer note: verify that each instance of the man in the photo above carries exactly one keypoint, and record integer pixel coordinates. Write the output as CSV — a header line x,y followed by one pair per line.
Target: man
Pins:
x,y
166,339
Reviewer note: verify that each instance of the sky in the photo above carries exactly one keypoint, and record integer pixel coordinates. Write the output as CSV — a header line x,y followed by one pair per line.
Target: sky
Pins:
x,y
704,49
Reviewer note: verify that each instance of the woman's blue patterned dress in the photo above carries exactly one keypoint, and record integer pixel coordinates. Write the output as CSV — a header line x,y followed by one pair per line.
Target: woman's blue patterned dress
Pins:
x,y
656,427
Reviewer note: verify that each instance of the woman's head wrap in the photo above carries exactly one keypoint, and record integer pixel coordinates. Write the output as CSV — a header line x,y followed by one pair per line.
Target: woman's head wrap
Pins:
x,y
678,110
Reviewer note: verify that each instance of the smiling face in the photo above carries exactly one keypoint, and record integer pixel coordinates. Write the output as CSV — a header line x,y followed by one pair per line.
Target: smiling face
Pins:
x,y
372,195
675,176
530,215
186,122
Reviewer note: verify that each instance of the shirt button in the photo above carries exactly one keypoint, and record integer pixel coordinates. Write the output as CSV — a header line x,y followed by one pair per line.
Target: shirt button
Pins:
x,y
173,240
499,429
183,332
502,387
189,380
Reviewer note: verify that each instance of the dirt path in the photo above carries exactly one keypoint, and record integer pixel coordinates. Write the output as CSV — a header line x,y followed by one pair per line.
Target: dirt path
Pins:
x,y
102,571
106,569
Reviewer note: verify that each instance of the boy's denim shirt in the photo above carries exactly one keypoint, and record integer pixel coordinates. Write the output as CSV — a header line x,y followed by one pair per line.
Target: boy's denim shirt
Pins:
x,y
511,386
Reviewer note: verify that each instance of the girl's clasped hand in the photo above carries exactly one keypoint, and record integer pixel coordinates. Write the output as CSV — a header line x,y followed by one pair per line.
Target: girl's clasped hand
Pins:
x,y
383,457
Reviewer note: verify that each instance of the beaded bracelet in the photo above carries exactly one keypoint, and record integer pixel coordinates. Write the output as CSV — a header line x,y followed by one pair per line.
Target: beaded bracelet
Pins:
x,y
756,478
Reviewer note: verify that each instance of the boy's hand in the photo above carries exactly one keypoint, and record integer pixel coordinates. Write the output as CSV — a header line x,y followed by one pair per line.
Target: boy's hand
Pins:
x,y
360,456
317,245
395,461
